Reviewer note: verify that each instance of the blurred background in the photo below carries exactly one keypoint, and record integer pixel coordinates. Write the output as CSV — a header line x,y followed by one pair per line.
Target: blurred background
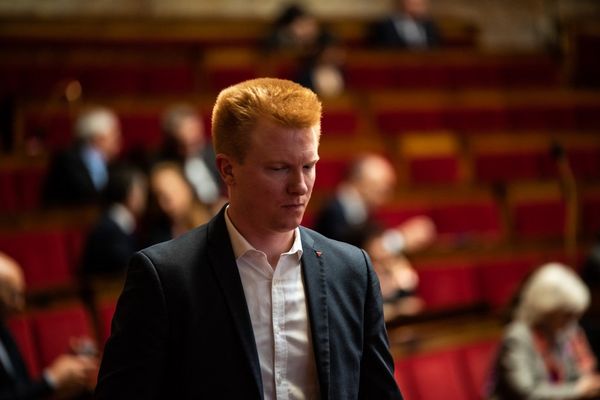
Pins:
x,y
487,111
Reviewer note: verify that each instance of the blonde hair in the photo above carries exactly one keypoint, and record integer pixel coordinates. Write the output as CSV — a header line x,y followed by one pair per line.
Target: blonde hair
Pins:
x,y
239,108
553,287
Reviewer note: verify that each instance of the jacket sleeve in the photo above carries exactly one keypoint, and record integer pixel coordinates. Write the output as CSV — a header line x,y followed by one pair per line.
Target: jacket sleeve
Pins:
x,y
134,356
377,366
37,389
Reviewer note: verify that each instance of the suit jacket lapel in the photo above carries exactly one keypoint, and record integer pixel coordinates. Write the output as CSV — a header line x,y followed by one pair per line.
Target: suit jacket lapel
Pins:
x,y
223,263
315,284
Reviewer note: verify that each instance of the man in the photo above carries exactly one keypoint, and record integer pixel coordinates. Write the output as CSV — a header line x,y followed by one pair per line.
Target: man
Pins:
x,y
349,215
251,305
112,240
67,376
409,26
78,175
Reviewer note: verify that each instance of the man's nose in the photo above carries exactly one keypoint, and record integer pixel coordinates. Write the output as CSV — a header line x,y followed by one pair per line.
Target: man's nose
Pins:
x,y
298,183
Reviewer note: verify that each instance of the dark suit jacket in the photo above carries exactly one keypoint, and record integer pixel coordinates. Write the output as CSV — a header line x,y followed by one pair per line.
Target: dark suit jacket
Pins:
x,y
18,385
182,329
384,34
68,181
331,221
107,249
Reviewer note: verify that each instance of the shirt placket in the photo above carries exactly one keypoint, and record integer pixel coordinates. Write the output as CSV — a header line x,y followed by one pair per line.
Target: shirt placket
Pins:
x,y
280,344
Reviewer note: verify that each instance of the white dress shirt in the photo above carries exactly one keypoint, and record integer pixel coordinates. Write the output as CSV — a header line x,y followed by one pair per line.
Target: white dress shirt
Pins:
x,y
277,305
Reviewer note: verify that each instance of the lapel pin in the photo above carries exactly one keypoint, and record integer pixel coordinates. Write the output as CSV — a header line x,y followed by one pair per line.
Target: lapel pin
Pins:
x,y
318,253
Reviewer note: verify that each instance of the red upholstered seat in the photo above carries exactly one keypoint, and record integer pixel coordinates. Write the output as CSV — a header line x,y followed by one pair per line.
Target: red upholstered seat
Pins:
x,y
590,214
438,376
448,285
507,166
404,376
392,122
330,173
141,130
43,255
54,329
53,128
9,200
500,278
476,359
540,219
477,217
105,316
436,169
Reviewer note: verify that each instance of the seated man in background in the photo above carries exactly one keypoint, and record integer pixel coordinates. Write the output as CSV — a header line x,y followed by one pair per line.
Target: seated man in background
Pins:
x,y
112,240
544,354
68,376
409,26
348,217
78,175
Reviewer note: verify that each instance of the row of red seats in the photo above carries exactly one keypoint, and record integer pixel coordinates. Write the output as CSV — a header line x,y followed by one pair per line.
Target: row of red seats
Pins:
x,y
141,125
45,334
459,373
364,71
176,78
457,284
21,188
49,257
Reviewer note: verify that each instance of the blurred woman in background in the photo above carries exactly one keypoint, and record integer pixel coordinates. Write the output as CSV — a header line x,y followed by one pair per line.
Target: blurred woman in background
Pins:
x,y
544,354
176,208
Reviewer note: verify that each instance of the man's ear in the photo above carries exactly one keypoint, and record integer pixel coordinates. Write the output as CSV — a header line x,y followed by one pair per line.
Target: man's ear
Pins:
x,y
225,168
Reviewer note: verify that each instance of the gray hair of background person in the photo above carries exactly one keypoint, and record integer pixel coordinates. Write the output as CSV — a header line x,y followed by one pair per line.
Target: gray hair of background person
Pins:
x,y
95,122
174,115
553,287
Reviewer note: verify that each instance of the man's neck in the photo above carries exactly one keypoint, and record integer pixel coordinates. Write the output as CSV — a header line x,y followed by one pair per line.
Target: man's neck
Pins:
x,y
273,244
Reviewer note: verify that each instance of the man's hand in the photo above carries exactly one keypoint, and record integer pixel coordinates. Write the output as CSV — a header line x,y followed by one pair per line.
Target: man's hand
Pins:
x,y
417,232
71,373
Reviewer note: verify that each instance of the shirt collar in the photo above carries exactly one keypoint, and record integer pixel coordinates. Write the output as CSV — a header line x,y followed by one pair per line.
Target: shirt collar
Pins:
x,y
354,207
122,217
241,246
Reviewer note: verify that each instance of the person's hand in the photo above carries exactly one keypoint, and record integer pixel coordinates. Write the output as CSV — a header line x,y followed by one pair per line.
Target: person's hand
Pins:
x,y
417,232
71,373
588,386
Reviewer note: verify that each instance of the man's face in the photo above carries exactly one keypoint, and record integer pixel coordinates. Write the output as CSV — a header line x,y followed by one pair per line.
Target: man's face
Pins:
x,y
109,144
190,136
270,189
12,289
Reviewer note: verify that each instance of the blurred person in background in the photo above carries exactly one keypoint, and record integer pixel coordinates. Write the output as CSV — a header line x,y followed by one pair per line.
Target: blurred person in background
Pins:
x,y
399,280
78,175
113,239
348,216
323,70
590,274
185,143
544,354
175,208
296,31
409,26
69,376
